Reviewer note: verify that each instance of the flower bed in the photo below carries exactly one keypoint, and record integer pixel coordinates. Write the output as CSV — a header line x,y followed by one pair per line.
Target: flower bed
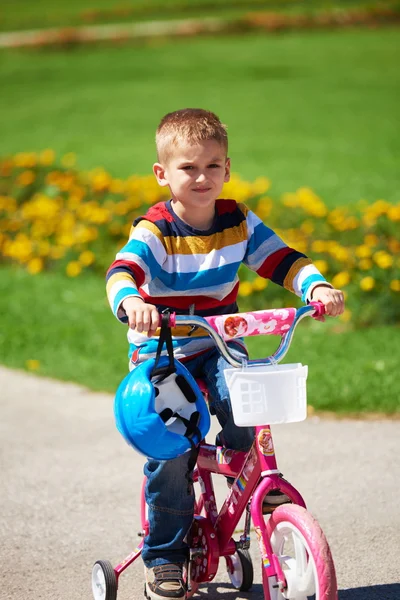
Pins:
x,y
54,217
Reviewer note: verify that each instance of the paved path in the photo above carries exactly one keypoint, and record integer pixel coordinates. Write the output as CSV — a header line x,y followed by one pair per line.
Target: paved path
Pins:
x,y
114,31
69,495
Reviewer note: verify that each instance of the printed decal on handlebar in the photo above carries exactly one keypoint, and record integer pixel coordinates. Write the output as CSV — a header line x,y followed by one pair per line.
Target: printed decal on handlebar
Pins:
x,y
265,443
274,322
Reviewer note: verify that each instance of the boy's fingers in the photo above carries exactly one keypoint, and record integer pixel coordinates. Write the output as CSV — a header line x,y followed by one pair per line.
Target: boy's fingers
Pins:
x,y
139,322
155,319
146,321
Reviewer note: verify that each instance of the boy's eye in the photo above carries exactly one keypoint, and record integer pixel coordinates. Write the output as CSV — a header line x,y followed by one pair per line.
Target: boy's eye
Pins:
x,y
187,168
214,166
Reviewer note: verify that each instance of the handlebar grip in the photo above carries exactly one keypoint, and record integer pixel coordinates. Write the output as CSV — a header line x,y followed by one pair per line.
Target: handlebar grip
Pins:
x,y
319,309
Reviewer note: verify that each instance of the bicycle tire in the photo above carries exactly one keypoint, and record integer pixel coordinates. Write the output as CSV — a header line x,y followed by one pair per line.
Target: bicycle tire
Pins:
x,y
291,520
241,580
107,590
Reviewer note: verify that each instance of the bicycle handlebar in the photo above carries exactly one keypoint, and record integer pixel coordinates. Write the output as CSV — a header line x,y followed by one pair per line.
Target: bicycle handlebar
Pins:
x,y
223,328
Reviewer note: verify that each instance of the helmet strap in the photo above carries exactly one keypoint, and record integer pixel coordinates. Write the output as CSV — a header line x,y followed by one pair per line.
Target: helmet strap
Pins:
x,y
192,429
192,424
165,336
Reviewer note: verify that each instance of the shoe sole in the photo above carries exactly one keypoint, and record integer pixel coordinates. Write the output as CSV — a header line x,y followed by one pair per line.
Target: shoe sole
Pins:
x,y
152,596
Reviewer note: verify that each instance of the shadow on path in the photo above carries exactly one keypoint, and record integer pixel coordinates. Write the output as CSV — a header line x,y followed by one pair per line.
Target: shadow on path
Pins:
x,y
374,592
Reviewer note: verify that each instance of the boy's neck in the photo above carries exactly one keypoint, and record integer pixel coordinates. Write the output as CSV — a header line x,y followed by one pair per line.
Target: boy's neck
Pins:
x,y
201,219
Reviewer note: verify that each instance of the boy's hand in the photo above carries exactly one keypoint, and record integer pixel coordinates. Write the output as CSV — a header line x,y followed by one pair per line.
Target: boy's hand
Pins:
x,y
141,316
332,299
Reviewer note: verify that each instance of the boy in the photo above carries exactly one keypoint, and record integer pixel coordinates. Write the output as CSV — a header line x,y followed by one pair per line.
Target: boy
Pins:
x,y
187,252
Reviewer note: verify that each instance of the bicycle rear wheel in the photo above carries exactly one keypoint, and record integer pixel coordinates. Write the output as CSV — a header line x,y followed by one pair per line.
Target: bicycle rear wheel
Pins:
x,y
304,554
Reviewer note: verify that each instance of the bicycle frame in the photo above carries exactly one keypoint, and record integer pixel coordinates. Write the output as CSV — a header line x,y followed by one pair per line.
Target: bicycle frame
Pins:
x,y
255,472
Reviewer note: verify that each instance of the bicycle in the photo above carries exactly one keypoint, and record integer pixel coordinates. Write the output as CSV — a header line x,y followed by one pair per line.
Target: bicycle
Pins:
x,y
295,556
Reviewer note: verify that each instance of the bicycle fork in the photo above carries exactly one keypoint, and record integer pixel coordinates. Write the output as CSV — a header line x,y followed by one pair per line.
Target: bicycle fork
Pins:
x,y
273,577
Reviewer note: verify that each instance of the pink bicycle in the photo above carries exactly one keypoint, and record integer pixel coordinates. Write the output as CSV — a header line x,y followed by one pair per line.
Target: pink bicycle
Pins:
x,y
295,556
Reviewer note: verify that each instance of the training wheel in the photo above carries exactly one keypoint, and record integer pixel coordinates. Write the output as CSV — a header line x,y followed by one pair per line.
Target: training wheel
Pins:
x,y
240,570
104,581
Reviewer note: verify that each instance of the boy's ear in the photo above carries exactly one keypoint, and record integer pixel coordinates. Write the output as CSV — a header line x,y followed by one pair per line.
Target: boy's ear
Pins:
x,y
159,172
227,170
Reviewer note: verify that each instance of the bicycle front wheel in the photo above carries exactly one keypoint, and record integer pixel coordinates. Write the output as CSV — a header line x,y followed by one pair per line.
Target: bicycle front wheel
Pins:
x,y
304,554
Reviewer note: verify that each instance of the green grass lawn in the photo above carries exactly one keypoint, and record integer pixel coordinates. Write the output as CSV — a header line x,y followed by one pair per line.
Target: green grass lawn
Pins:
x,y
312,108
68,327
315,109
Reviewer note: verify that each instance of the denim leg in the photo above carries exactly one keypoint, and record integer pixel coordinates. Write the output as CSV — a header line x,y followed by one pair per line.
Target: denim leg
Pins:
x,y
231,436
170,506
170,509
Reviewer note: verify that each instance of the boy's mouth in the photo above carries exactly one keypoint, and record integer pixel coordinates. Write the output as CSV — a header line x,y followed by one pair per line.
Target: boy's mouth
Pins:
x,y
202,190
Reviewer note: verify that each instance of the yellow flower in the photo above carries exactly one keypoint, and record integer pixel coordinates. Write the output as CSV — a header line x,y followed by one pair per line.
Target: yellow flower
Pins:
x,y
311,203
26,160
340,280
26,178
395,285
394,213
100,180
66,239
264,207
341,254
57,252
365,264
371,240
261,185
87,258
394,245
245,288
367,284
321,265
43,248
32,364
307,227
350,223
73,268
290,200
6,166
383,259
35,265
319,246
20,248
46,157
260,284
117,186
363,251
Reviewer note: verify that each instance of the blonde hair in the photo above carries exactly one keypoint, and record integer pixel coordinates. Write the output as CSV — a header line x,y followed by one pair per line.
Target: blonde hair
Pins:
x,y
188,126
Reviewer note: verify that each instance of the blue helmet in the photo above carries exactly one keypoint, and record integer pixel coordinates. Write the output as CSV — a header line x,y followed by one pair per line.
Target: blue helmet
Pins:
x,y
161,417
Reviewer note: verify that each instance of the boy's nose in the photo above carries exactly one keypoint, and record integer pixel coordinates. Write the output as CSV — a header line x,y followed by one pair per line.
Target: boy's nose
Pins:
x,y
201,177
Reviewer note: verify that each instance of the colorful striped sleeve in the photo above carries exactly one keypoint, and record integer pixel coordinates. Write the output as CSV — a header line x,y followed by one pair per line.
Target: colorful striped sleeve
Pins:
x,y
138,263
269,256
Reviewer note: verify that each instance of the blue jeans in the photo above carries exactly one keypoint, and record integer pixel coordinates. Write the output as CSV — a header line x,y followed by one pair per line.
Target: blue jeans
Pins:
x,y
170,502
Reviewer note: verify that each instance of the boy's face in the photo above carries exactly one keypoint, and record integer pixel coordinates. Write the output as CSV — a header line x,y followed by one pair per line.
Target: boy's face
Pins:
x,y
195,174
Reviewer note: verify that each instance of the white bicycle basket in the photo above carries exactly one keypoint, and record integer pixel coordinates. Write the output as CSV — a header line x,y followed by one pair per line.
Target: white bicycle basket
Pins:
x,y
268,394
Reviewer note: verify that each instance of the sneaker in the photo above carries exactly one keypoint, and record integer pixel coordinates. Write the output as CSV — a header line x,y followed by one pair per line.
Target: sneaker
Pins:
x,y
165,581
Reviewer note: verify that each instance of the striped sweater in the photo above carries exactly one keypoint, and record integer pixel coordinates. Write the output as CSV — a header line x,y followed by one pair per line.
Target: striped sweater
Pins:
x,y
170,264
